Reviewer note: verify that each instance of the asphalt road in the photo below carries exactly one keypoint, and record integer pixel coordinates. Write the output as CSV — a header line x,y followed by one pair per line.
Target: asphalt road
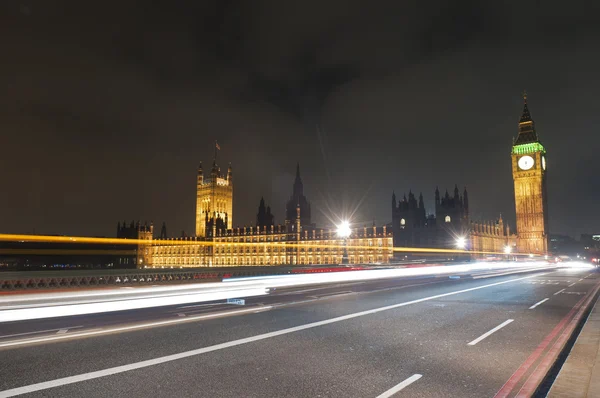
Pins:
x,y
432,336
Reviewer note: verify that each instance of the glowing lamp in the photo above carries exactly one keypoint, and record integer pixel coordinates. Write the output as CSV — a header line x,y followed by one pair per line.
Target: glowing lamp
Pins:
x,y
343,230
461,242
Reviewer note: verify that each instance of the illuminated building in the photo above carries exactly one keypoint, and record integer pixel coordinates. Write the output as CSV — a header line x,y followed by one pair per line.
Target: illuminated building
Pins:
x,y
529,176
297,242
214,199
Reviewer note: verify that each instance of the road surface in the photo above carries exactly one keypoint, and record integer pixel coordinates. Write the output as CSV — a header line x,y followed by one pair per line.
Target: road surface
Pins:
x,y
460,335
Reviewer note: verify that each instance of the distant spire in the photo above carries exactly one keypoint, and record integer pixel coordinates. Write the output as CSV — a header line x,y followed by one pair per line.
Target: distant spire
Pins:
x,y
298,187
526,116
527,133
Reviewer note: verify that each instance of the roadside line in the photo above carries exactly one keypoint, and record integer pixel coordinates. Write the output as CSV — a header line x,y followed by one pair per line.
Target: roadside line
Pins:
x,y
560,291
126,328
538,303
40,331
400,386
168,358
525,366
483,336
536,377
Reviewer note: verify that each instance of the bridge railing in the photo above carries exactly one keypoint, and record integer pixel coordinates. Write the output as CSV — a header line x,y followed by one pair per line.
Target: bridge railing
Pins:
x,y
76,279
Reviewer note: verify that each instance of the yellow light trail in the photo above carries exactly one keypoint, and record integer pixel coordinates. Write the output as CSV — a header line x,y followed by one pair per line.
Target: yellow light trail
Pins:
x,y
294,245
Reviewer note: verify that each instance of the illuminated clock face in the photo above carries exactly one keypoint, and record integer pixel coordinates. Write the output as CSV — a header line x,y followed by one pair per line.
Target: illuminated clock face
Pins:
x,y
526,162
544,162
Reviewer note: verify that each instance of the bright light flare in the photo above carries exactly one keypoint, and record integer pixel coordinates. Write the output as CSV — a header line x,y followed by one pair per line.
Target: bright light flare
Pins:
x,y
461,242
507,249
343,230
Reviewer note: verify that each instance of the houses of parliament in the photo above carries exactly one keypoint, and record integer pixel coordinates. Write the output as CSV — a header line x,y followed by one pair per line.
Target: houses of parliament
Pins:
x,y
299,241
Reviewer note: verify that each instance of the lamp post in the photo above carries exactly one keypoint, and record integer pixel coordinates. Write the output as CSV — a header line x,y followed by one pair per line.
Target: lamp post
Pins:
x,y
344,231
461,244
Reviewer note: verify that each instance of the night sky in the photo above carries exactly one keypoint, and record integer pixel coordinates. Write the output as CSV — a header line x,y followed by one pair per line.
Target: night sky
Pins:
x,y
107,108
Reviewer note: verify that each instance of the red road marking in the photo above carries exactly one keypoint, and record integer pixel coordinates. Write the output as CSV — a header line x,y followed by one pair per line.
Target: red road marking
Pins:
x,y
514,379
542,369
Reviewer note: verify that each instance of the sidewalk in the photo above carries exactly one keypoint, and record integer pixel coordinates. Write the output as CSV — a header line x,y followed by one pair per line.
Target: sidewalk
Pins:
x,y
580,375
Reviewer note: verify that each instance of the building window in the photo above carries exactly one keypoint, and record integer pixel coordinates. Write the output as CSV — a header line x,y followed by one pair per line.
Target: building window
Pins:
x,y
403,222
447,219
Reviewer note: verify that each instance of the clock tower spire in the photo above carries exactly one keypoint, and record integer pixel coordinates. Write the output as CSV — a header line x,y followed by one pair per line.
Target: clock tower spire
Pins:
x,y
529,177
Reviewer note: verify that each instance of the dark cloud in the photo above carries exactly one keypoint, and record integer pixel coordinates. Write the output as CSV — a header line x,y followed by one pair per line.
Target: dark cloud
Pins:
x,y
107,107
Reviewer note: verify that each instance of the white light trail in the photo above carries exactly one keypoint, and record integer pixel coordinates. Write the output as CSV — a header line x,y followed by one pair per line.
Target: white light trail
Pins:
x,y
86,302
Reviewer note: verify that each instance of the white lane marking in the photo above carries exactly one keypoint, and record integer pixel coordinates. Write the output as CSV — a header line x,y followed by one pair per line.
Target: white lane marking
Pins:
x,y
481,276
39,331
400,386
181,314
571,284
318,288
560,291
538,303
483,336
580,279
200,305
324,295
62,331
126,328
300,291
150,362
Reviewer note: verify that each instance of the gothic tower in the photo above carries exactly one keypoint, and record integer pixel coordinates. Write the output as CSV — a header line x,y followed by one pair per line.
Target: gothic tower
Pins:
x,y
214,199
529,176
297,199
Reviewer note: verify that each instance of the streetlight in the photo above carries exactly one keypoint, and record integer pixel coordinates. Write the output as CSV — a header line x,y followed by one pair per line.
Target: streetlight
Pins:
x,y
507,251
461,242
344,231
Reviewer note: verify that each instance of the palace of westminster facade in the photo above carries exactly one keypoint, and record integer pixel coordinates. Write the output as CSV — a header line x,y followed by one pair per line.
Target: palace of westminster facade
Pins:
x,y
298,241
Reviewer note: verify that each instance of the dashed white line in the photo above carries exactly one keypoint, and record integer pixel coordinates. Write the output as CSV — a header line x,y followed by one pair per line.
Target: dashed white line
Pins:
x,y
483,336
572,284
62,331
400,386
560,291
538,303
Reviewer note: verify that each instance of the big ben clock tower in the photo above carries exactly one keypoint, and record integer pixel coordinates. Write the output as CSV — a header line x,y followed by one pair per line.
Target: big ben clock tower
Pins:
x,y
529,176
